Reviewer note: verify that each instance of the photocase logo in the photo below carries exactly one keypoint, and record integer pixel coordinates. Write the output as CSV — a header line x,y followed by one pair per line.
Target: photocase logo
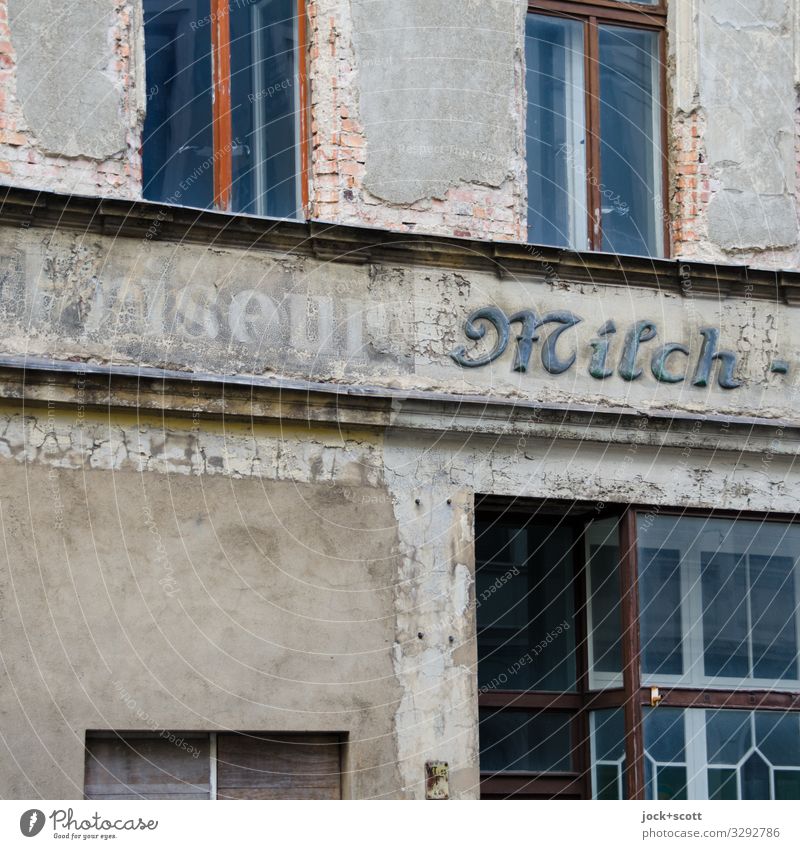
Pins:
x,y
31,822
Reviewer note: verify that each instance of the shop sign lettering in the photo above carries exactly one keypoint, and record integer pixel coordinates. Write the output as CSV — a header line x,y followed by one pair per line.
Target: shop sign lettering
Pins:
x,y
671,362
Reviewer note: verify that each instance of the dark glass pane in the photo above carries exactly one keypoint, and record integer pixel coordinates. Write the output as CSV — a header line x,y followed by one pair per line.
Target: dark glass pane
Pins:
x,y
755,778
787,784
609,734
725,630
605,606
177,142
502,586
500,544
607,777
556,144
264,100
608,744
630,129
660,610
664,736
728,736
778,737
722,784
671,782
525,606
773,614
523,741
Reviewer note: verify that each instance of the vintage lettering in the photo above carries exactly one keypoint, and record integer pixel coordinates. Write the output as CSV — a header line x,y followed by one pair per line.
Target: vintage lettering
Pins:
x,y
663,360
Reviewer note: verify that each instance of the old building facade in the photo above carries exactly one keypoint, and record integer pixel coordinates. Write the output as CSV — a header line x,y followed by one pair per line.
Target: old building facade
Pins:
x,y
399,399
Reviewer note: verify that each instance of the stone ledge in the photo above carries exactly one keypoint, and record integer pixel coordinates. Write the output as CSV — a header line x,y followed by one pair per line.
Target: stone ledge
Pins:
x,y
359,245
38,383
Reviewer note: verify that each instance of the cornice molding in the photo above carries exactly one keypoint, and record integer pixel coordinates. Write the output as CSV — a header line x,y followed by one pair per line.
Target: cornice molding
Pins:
x,y
42,383
358,245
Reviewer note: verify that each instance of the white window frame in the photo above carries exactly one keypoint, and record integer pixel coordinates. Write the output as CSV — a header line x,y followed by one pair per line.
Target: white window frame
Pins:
x,y
598,680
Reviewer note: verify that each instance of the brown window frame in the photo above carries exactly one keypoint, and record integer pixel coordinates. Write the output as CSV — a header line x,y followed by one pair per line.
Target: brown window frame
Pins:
x,y
222,109
575,784
592,13
634,695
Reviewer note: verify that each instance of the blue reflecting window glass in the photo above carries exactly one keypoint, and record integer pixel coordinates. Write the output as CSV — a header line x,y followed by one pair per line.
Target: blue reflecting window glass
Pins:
x,y
177,142
630,132
728,736
778,737
628,179
752,754
665,753
660,608
604,607
774,629
722,784
265,107
724,592
556,147
755,778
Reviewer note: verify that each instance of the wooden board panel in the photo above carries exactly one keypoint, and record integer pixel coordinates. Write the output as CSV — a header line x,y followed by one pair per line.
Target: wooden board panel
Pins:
x,y
291,766
121,797
146,767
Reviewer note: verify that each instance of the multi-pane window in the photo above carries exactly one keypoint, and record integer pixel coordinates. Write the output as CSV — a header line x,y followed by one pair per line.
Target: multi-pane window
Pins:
x,y
637,653
192,765
594,79
719,602
224,105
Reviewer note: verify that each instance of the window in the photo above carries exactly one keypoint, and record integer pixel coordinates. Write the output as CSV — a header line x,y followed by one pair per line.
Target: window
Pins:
x,y
530,674
719,603
191,765
634,653
595,125
225,92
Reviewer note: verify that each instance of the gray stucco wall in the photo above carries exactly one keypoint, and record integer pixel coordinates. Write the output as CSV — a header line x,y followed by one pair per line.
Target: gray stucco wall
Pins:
x,y
747,92
67,82
437,93
160,601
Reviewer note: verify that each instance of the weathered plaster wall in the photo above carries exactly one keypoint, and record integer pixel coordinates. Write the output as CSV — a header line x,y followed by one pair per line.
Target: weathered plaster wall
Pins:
x,y
734,134
70,108
418,115
161,576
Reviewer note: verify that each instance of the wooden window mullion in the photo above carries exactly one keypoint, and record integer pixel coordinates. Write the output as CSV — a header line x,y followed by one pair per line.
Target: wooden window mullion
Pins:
x,y
663,148
631,661
221,99
694,697
593,134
